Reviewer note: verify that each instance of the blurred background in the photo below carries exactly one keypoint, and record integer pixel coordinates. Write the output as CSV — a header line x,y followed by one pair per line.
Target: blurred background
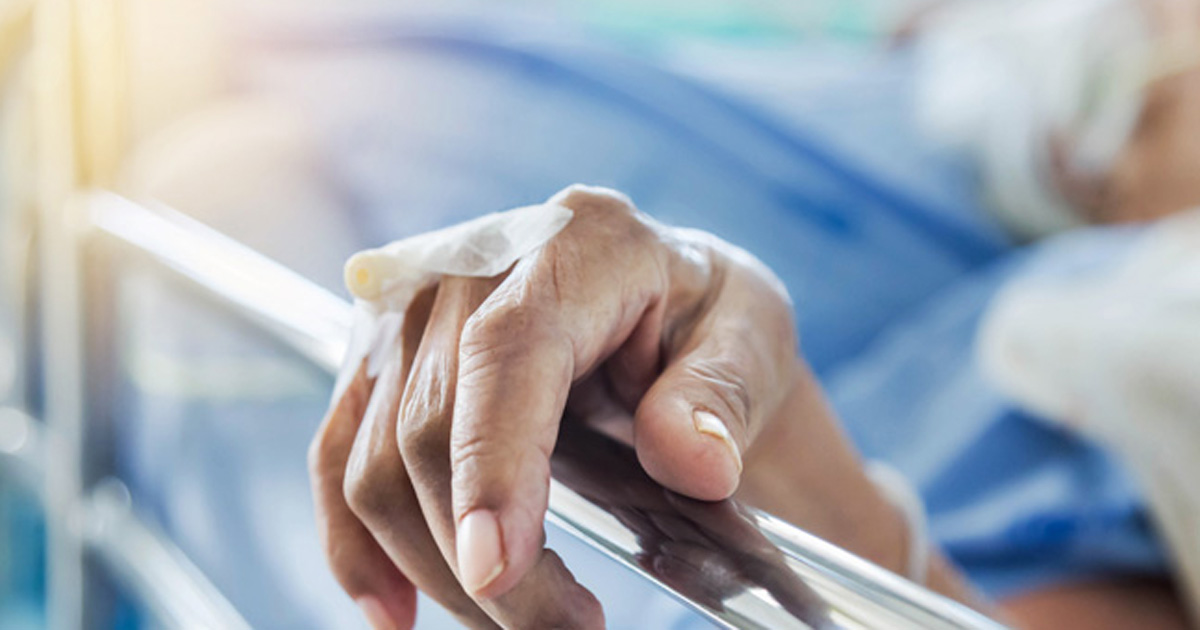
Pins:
x,y
892,160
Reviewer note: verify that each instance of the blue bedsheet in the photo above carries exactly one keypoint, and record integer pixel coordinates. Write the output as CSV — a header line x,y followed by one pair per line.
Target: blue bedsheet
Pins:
x,y
428,125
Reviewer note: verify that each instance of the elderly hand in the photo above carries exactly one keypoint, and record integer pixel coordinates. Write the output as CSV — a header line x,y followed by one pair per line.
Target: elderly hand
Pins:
x,y
435,475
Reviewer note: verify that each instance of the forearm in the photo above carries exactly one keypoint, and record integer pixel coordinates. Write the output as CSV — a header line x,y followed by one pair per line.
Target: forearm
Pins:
x,y
802,468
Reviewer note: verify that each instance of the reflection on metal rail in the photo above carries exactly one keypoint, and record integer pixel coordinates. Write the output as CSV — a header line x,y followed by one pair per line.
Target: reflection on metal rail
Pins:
x,y
848,592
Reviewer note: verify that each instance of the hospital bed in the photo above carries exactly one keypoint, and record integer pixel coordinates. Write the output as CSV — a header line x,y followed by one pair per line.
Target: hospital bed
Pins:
x,y
105,548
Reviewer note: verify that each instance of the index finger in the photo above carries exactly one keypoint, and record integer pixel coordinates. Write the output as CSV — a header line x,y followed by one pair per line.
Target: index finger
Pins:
x,y
559,313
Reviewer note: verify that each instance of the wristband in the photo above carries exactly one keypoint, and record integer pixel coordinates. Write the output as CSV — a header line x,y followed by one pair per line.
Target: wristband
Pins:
x,y
900,493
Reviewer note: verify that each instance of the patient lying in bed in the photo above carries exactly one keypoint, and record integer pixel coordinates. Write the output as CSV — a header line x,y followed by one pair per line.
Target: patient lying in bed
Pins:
x,y
697,341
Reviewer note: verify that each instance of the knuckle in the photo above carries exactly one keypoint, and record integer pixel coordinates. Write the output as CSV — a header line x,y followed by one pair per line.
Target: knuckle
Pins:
x,y
372,493
487,467
358,492
600,211
422,441
466,450
500,331
323,455
749,270
479,458
728,387
424,424
494,322
487,327
583,198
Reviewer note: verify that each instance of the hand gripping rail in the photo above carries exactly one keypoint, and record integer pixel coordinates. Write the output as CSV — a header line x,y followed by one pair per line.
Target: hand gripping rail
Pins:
x,y
769,574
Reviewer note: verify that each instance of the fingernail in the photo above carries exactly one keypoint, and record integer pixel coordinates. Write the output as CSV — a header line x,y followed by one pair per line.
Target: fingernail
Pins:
x,y
710,425
480,550
376,614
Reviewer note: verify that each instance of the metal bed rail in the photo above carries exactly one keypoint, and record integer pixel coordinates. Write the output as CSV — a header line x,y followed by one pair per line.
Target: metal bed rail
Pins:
x,y
77,124
315,324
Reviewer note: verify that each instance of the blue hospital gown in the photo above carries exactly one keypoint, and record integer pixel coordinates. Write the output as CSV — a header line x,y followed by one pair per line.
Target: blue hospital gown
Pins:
x,y
1016,501
889,258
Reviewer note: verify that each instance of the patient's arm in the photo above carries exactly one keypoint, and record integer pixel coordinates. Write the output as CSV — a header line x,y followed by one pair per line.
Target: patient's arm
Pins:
x,y
432,470
1112,604
774,471
440,461
792,453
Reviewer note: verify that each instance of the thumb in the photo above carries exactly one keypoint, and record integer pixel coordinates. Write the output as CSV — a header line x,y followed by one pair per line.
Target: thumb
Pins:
x,y
694,422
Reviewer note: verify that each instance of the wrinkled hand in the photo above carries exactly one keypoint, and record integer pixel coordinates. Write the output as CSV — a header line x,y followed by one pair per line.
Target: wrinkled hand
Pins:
x,y
435,475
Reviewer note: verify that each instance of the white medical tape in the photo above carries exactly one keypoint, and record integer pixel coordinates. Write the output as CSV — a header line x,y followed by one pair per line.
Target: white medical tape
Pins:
x,y
385,280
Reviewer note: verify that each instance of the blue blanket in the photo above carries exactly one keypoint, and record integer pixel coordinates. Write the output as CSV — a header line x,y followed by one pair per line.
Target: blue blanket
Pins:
x,y
889,261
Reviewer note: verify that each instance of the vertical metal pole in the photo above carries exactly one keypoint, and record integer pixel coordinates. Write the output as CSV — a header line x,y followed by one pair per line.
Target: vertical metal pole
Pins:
x,y
62,352
60,303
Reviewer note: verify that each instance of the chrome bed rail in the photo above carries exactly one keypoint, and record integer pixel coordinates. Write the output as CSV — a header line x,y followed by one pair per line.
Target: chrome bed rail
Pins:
x,y
787,578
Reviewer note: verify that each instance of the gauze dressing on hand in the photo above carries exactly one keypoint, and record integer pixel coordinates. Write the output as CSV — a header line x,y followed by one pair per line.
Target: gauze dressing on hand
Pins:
x,y
385,280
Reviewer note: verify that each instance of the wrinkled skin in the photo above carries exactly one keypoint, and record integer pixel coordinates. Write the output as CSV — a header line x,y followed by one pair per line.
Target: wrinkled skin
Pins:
x,y
621,318
617,317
